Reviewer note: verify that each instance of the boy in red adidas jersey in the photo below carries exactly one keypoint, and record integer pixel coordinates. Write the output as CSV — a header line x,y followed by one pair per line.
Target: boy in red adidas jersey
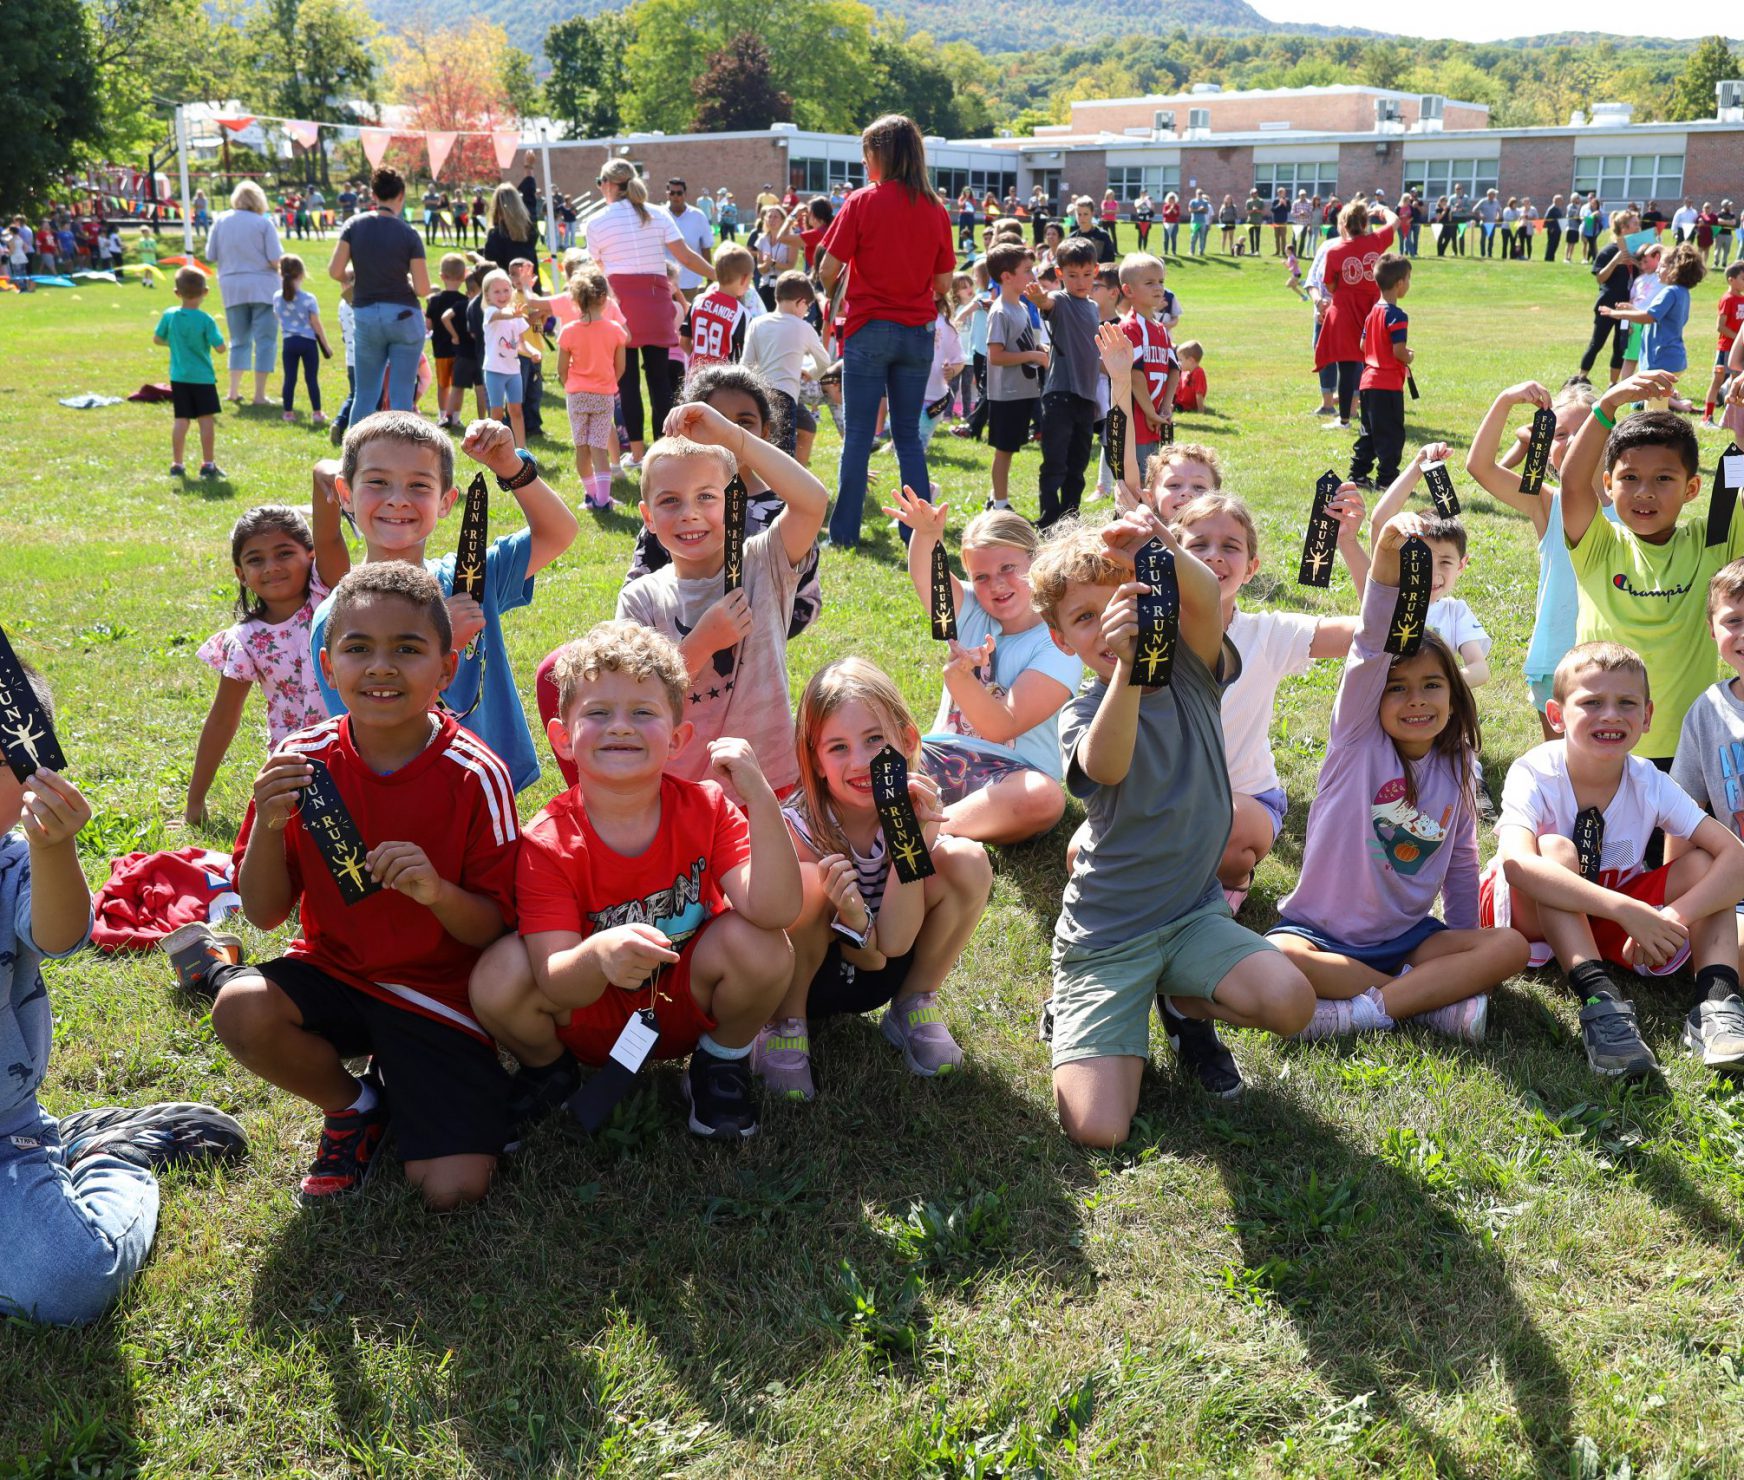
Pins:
x,y
1386,365
1731,322
714,330
640,891
385,975
1155,370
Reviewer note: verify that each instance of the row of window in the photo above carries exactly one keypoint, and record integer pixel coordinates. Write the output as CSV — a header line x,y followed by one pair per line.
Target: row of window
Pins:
x,y
1616,177
820,176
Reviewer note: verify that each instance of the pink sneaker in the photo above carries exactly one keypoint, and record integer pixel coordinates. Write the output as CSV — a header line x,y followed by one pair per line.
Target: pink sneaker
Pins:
x,y
1464,1020
917,1027
290,416
781,1058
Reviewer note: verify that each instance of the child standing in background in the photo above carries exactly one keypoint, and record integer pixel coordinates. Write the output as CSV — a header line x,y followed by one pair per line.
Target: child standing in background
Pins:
x,y
503,328
777,347
590,358
191,334
1069,393
1190,390
299,319
1731,321
1386,366
441,313
1664,314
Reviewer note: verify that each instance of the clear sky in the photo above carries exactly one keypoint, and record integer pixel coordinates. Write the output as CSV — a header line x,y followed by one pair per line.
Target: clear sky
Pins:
x,y
1487,20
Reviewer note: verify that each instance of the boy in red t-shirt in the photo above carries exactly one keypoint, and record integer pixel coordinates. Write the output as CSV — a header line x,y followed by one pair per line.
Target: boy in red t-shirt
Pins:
x,y
640,891
1155,371
1731,322
1386,363
713,332
1191,389
384,974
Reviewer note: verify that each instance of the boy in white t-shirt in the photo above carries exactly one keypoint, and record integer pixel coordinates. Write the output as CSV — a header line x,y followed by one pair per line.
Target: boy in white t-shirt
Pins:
x,y
1450,618
1218,530
1570,868
777,347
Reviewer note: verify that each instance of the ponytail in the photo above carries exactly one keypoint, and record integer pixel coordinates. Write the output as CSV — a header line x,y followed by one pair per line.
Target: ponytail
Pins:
x,y
290,274
622,173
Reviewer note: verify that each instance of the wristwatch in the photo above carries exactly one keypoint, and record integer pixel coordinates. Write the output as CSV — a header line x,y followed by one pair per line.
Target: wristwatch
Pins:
x,y
529,471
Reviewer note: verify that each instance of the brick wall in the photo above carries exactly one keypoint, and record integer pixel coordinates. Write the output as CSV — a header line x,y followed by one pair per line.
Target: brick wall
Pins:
x,y
743,166
1713,167
1361,168
1538,167
1220,171
1085,173
1232,113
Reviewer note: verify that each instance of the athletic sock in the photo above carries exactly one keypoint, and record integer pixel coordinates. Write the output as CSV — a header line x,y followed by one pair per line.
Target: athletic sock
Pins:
x,y
1708,412
365,1101
1717,983
708,1045
1591,980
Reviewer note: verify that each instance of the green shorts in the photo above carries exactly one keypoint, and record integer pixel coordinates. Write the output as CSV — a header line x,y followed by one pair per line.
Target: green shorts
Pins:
x,y
1103,995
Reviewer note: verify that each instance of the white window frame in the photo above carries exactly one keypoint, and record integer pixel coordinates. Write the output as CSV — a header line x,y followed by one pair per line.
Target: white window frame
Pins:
x,y
1317,177
1127,180
1621,178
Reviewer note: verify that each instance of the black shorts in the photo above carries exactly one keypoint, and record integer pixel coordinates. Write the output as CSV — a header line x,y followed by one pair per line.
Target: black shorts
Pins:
x,y
466,373
841,987
448,1094
1008,424
192,401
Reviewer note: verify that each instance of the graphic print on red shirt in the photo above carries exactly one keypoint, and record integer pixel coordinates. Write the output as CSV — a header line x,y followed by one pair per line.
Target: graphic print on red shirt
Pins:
x,y
1383,332
717,329
455,801
1153,350
1731,318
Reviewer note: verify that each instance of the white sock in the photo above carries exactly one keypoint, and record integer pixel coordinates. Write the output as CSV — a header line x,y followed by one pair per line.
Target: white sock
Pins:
x,y
365,1101
708,1045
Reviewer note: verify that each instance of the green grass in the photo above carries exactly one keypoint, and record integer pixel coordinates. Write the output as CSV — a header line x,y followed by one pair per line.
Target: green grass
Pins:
x,y
1393,1257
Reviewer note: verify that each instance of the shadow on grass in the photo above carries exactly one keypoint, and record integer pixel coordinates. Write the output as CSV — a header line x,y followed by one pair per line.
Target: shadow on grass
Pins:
x,y
68,1407
1383,1282
610,1289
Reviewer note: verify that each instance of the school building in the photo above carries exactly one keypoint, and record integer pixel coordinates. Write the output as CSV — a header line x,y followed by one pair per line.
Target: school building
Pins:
x,y
1325,140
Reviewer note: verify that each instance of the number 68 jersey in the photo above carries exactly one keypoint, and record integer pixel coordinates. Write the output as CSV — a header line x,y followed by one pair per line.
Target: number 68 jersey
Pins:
x,y
715,327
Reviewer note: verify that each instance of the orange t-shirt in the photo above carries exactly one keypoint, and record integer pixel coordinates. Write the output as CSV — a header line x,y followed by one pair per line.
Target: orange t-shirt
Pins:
x,y
592,349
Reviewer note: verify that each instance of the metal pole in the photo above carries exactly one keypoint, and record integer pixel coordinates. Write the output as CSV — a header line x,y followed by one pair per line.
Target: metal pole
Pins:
x,y
187,200
550,199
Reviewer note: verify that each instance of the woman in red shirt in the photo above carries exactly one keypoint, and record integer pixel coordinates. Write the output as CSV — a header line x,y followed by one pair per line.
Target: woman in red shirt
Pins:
x,y
891,242
1171,223
1351,292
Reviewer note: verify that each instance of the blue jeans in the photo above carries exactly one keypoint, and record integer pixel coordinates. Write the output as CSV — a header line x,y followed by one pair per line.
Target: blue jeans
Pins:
x,y
390,337
880,361
70,1241
1201,230
254,336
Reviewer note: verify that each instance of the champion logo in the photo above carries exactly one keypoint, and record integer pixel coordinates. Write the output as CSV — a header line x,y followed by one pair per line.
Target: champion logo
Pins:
x,y
1621,582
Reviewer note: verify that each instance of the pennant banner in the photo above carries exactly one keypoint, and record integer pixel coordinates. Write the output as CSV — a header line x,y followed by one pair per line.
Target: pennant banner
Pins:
x,y
506,141
439,142
375,145
236,125
303,132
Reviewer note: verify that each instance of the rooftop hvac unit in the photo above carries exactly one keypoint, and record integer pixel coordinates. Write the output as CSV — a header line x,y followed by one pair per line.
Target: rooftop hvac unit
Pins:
x,y
1203,89
1386,110
1163,121
1431,105
1613,113
1198,122
1730,95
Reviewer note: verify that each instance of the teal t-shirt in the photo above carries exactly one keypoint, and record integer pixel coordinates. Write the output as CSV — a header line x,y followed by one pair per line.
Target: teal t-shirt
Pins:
x,y
193,335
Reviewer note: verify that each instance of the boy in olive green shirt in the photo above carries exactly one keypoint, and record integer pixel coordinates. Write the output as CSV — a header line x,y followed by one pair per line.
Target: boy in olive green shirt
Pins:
x,y
192,334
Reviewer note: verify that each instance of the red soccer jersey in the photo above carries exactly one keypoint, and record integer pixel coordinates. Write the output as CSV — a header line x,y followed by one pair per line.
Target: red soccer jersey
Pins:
x,y
569,881
1190,389
1731,318
455,801
894,246
1152,349
717,329
1383,333
1350,279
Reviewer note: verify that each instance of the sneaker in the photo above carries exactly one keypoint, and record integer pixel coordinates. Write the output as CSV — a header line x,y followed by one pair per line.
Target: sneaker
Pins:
x,y
194,949
1465,1020
1335,425
1715,1032
718,1093
962,431
155,1137
1045,1023
916,1026
781,1058
318,420
178,471
1200,1052
211,470
346,1157
1613,1043
1708,424
534,1096
336,433
290,416
996,503
1332,1019
1325,411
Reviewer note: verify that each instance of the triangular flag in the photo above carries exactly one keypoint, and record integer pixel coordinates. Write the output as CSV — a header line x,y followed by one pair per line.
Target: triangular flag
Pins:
x,y
506,142
236,125
304,133
375,145
439,142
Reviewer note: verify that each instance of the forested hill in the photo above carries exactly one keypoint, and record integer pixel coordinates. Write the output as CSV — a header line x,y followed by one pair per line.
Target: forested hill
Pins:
x,y
990,25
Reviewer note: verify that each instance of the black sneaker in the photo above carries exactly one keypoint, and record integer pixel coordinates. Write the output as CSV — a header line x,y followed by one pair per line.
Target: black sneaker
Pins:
x,y
535,1095
156,1137
718,1092
347,1155
1200,1052
1045,1022
1614,1045
1714,1032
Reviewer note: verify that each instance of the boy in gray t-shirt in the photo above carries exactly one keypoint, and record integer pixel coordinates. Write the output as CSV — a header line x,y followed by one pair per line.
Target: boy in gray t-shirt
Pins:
x,y
1143,920
1016,362
1069,398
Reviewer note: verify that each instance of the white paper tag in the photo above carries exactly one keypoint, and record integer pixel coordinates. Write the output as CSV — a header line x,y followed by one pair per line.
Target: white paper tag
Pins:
x,y
1733,467
635,1043
1434,463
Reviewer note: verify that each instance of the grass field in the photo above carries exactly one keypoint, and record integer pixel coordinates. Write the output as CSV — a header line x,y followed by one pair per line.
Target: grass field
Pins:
x,y
1393,1256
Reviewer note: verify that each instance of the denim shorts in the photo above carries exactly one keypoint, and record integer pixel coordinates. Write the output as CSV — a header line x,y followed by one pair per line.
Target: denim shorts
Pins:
x,y
1276,804
502,389
1386,957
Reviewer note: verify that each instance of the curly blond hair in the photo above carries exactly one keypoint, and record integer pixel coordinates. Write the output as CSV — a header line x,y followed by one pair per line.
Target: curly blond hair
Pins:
x,y
621,647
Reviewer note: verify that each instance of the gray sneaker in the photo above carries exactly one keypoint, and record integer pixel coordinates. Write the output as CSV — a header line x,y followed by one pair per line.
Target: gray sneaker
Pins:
x,y
917,1027
1714,1031
1613,1042
194,950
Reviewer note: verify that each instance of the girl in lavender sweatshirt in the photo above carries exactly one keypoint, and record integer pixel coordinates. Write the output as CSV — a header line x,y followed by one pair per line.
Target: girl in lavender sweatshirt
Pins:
x,y
1393,825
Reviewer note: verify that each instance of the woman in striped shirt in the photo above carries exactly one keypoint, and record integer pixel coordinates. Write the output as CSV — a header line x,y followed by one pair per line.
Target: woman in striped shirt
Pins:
x,y
631,244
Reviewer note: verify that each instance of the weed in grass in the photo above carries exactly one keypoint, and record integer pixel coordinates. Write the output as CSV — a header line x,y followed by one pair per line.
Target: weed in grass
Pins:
x,y
956,1242
895,1329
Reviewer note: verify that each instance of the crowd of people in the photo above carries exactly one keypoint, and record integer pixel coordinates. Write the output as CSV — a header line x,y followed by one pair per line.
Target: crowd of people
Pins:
x,y
724,869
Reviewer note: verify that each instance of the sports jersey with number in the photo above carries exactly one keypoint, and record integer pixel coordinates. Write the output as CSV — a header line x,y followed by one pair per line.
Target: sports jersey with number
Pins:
x,y
716,323
1153,350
